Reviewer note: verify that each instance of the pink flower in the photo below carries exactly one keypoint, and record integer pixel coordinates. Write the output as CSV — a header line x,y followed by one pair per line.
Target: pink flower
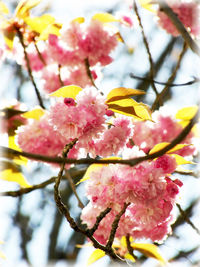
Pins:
x,y
187,12
166,163
40,137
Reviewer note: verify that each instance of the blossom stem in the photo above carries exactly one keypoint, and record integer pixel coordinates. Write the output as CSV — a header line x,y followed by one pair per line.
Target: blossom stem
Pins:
x,y
99,219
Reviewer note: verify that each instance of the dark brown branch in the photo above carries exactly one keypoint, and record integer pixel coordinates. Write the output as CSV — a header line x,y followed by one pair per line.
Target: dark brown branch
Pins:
x,y
129,247
69,178
186,219
23,191
29,68
39,54
147,48
179,26
132,162
115,226
170,80
99,219
195,80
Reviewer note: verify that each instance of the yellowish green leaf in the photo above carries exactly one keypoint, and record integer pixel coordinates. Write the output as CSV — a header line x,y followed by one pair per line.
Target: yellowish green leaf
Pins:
x,y
143,111
35,114
9,38
67,91
24,6
53,28
181,160
147,5
183,171
149,250
17,177
39,24
79,20
123,241
96,255
89,170
128,256
122,93
3,8
187,113
160,146
17,159
104,17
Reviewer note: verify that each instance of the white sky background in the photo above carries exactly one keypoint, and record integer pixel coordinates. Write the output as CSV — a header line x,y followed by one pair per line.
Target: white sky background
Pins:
x,y
138,63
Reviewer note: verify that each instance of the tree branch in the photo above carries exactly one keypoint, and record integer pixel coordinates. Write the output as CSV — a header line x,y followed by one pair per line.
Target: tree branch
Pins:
x,y
179,26
29,68
8,152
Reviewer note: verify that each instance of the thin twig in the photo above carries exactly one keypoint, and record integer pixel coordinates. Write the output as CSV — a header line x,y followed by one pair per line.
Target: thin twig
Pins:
x,y
129,247
69,178
186,219
8,152
29,68
179,26
87,65
171,78
99,219
59,75
147,48
195,80
39,54
115,225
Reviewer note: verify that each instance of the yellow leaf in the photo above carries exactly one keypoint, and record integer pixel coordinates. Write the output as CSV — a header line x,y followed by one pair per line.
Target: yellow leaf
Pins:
x,y
22,9
149,250
187,113
8,38
39,24
67,91
79,20
104,17
146,4
160,146
96,255
90,169
183,171
17,159
119,37
36,114
123,241
3,8
128,256
12,176
143,112
2,255
53,28
121,93
181,160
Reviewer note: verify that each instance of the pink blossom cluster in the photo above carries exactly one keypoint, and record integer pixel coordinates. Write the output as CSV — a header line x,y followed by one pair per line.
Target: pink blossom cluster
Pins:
x,y
164,129
187,12
69,51
147,187
84,119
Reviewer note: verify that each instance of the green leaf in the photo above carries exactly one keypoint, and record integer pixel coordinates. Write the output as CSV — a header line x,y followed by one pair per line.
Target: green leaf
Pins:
x,y
96,255
149,250
67,91
104,17
122,93
35,114
187,113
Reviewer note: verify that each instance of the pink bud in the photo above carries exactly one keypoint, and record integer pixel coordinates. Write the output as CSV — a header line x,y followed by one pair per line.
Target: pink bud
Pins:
x,y
69,101
109,112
